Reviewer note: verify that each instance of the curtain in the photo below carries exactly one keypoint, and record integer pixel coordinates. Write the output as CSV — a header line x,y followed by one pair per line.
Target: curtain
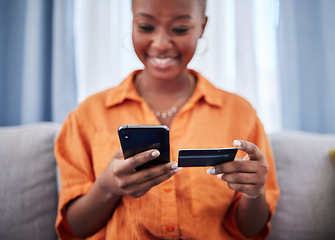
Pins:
x,y
37,71
104,52
237,53
307,57
55,53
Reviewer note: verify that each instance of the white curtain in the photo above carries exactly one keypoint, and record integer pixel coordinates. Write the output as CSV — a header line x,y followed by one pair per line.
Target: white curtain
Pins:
x,y
241,54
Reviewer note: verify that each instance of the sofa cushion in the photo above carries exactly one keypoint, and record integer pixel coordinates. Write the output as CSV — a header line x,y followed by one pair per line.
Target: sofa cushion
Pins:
x,y
28,188
306,177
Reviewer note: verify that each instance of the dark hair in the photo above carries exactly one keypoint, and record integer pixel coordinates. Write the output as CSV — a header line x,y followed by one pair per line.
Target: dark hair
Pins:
x,y
202,2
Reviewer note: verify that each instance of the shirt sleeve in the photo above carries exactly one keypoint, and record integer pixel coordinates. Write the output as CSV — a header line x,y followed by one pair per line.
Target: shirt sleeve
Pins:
x,y
73,158
272,191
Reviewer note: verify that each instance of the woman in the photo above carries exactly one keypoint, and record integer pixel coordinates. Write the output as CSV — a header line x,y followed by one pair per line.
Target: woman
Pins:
x,y
102,197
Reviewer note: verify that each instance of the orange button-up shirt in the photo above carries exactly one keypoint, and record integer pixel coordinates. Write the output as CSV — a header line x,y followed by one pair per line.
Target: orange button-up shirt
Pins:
x,y
190,205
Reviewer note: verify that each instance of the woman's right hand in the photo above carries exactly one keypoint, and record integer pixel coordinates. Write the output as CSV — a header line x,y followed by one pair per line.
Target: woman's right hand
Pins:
x,y
121,178
118,179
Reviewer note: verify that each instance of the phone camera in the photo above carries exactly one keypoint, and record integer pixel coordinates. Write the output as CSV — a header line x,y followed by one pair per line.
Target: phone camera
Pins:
x,y
126,136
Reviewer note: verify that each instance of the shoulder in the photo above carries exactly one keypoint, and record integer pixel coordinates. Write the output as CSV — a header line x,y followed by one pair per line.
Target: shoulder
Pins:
x,y
98,103
229,108
237,102
94,104
238,110
86,115
227,101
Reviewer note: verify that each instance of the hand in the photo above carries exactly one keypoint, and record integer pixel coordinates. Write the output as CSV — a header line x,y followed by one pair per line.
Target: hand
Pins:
x,y
121,178
247,175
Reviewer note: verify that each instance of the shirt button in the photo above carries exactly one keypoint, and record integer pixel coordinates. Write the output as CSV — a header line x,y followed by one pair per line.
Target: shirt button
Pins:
x,y
170,228
167,189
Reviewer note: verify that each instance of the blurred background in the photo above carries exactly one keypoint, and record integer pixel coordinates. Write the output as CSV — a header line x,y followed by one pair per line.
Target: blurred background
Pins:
x,y
278,54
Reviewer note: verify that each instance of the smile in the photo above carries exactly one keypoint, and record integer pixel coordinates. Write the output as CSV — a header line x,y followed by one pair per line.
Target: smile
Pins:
x,y
162,63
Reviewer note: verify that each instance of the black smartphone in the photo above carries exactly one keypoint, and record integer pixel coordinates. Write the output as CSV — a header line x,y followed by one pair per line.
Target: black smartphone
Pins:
x,y
135,139
205,157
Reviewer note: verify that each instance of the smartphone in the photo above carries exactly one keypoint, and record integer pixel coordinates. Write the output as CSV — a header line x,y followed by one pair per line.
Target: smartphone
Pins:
x,y
135,139
205,157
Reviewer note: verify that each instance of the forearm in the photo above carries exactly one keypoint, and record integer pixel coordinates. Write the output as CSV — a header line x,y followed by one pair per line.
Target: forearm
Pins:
x,y
89,213
252,214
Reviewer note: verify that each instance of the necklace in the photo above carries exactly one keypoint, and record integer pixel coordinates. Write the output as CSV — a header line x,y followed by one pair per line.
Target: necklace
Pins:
x,y
174,108
170,111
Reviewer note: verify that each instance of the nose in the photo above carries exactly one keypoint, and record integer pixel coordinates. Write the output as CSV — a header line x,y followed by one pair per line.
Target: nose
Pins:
x,y
161,40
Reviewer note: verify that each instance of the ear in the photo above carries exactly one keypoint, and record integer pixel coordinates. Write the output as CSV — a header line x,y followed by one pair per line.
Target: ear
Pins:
x,y
204,23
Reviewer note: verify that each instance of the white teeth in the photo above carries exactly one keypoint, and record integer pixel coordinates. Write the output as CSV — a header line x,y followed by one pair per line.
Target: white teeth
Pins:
x,y
162,60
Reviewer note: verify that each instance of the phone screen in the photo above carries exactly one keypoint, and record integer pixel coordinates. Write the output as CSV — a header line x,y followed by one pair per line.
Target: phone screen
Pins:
x,y
135,139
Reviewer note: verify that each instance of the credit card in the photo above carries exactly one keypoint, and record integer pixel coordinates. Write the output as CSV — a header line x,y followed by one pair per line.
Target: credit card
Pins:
x,y
205,157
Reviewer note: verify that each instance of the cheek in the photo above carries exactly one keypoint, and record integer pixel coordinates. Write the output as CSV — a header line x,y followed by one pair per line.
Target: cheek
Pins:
x,y
188,48
139,45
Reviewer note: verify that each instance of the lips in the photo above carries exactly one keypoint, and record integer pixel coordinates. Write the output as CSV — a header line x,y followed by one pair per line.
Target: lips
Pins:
x,y
162,62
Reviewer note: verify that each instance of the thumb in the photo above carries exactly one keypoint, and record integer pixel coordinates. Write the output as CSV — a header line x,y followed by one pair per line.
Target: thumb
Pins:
x,y
253,152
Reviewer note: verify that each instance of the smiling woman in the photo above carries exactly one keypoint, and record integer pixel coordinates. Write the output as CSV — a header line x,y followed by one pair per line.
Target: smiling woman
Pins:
x,y
165,36
237,51
105,196
166,39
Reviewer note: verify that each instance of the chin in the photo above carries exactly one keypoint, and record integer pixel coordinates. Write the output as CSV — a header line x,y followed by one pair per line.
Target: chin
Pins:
x,y
164,75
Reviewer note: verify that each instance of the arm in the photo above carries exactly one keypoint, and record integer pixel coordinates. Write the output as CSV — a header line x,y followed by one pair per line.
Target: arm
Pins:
x,y
89,213
247,176
252,215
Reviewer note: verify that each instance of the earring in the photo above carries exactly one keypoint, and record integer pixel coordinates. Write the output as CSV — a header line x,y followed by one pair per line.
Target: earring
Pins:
x,y
127,43
202,46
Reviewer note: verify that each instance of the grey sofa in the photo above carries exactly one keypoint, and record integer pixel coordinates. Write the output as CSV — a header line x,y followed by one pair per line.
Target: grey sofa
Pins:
x,y
306,177
28,184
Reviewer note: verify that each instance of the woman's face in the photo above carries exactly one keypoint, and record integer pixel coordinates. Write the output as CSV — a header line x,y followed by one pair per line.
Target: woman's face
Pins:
x,y
165,34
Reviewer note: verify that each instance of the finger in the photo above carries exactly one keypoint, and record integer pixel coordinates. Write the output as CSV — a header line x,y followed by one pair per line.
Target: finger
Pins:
x,y
241,178
157,171
140,188
233,167
139,159
251,149
249,189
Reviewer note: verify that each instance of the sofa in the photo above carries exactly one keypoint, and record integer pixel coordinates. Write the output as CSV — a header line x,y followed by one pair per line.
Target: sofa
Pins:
x,y
29,185
28,182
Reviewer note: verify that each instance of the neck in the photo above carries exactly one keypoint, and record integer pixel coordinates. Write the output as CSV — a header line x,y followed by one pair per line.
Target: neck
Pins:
x,y
148,85
165,97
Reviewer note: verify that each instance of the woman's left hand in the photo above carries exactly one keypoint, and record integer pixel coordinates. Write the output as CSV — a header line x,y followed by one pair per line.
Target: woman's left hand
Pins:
x,y
247,175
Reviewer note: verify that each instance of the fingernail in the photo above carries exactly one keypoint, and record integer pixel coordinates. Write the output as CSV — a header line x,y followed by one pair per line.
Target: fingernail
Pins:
x,y
177,169
155,154
237,143
211,171
219,176
174,166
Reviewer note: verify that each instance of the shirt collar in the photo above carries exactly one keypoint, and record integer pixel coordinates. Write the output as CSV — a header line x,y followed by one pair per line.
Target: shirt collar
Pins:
x,y
126,90
206,91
